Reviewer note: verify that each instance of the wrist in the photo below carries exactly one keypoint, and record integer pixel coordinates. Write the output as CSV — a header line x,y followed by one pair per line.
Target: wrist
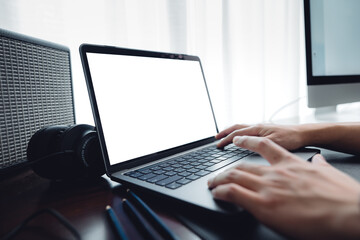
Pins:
x,y
317,134
306,133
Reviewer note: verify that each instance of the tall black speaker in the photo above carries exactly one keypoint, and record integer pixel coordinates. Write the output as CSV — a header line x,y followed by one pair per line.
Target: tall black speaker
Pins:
x,y
35,91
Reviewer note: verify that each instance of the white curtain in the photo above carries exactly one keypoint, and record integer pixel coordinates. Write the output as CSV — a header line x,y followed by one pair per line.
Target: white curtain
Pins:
x,y
252,50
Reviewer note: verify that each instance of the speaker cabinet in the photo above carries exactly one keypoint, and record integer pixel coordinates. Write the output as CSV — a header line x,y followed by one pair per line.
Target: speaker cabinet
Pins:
x,y
35,91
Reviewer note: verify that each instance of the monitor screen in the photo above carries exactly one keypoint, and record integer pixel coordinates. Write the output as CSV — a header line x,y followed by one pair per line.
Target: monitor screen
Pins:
x,y
332,36
335,37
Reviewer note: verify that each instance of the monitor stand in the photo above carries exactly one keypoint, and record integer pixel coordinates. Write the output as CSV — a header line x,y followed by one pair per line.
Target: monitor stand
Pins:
x,y
341,113
326,113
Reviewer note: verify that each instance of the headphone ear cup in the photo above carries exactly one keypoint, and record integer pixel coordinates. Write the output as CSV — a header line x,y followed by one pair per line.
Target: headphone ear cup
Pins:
x,y
42,144
88,161
89,152
70,166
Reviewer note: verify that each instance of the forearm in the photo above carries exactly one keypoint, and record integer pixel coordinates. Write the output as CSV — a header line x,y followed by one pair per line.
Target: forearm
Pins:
x,y
344,137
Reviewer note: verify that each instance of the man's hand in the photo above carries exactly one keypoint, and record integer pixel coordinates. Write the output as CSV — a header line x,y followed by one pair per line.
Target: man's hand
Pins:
x,y
287,136
297,198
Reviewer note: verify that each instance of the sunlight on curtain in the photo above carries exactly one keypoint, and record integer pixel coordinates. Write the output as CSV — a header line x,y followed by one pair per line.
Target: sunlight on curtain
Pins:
x,y
263,59
252,51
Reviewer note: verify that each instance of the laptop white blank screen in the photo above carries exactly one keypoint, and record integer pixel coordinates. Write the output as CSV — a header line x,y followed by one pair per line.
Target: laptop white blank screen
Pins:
x,y
147,105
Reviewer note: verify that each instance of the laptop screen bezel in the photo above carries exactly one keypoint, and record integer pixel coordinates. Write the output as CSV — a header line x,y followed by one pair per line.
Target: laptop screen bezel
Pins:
x,y
91,48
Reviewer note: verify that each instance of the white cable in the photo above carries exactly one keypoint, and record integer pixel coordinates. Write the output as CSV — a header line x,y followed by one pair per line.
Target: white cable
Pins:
x,y
283,107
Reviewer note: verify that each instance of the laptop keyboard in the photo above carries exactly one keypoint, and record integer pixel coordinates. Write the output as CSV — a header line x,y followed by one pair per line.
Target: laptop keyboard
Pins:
x,y
179,171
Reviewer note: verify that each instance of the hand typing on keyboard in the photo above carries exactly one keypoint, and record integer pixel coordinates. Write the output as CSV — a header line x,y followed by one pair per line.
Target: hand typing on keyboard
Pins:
x,y
304,200
289,137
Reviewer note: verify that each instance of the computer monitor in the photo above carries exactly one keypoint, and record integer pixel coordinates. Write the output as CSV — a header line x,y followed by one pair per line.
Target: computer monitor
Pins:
x,y
332,35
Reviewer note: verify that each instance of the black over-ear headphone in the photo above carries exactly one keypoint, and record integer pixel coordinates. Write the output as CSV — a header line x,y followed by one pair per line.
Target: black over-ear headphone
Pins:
x,y
66,152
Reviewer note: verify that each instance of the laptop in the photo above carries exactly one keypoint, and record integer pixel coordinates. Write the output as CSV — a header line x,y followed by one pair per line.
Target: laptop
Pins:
x,y
156,124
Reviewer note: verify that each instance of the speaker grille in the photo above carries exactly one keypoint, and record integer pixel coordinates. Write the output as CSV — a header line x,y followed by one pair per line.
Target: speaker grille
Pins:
x,y
35,91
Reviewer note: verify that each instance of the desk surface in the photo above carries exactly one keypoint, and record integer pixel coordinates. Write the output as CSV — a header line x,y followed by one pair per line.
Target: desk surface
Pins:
x,y
83,204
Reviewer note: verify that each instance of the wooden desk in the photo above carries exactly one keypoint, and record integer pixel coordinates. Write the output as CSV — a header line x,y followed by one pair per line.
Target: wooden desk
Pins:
x,y
83,204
